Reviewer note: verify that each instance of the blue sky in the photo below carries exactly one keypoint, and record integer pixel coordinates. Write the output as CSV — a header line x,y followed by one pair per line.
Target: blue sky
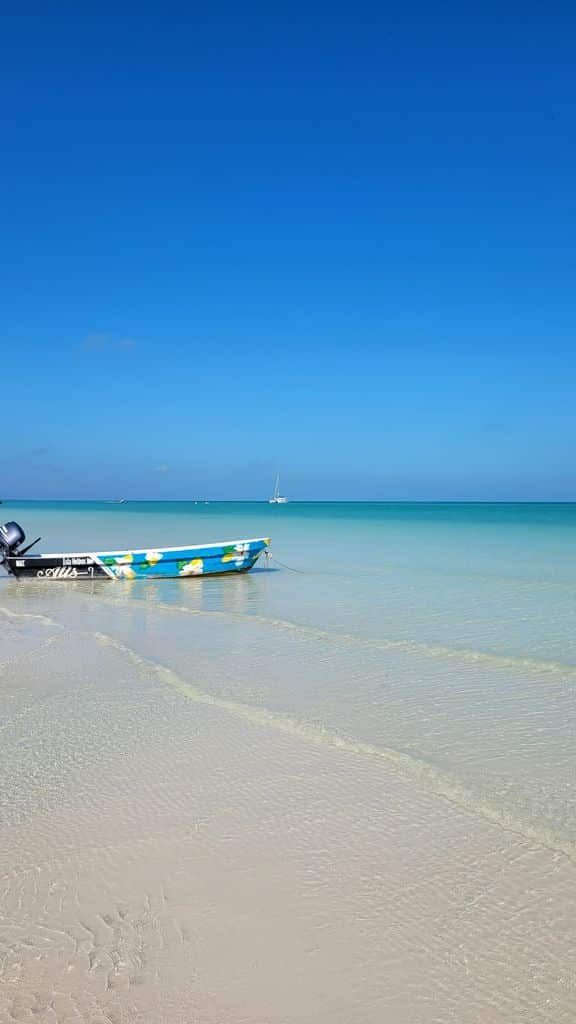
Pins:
x,y
336,241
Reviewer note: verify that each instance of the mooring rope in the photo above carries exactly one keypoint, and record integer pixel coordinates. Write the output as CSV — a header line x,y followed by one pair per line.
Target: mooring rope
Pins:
x,y
272,558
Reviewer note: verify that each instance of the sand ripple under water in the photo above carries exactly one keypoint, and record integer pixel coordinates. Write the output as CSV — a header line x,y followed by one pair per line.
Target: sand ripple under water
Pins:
x,y
183,838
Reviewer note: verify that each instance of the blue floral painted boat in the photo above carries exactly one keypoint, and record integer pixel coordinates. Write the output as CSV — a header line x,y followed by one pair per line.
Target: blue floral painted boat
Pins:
x,y
152,563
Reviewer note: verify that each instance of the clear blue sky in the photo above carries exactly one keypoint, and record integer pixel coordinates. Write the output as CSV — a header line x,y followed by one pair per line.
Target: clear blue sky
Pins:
x,y
334,240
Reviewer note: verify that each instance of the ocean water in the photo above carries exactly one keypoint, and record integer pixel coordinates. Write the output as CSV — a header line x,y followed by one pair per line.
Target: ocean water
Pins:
x,y
367,745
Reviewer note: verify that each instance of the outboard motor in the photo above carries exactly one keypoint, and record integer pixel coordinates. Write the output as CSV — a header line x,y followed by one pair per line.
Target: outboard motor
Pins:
x,y
12,537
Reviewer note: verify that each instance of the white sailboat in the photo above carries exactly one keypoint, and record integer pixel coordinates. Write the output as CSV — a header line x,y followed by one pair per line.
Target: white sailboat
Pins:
x,y
277,498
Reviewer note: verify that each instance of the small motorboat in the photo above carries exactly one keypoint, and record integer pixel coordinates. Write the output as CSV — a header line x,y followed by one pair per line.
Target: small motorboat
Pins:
x,y
148,563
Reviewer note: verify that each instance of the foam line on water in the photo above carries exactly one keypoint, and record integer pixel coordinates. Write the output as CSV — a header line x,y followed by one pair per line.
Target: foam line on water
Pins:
x,y
31,652
439,651
433,779
23,616
34,651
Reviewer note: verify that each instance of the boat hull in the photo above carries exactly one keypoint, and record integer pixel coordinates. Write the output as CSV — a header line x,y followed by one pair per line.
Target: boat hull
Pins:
x,y
154,563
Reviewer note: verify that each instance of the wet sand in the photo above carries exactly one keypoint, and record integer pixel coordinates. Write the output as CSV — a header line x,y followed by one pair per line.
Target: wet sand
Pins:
x,y
172,857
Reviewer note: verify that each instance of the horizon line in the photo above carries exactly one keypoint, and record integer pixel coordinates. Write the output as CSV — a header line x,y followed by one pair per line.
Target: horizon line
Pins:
x,y
310,501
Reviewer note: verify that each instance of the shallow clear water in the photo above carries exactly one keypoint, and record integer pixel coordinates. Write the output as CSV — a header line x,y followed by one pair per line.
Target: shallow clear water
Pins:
x,y
442,630
432,643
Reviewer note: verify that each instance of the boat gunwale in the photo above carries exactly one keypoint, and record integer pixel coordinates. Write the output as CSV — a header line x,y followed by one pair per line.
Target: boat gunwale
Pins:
x,y
116,552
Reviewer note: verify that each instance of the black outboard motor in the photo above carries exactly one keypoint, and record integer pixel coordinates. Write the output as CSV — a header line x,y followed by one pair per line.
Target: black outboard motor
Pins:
x,y
12,537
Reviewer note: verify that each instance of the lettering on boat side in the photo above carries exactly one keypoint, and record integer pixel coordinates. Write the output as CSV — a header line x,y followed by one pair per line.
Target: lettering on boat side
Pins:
x,y
58,572
76,561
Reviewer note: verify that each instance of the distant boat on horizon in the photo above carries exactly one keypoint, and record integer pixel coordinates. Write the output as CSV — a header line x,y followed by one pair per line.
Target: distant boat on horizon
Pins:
x,y
277,498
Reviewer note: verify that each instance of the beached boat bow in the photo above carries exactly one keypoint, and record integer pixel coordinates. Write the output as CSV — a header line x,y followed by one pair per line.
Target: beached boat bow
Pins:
x,y
148,563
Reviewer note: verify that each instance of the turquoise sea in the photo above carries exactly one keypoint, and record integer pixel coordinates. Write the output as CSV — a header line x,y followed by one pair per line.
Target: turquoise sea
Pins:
x,y
434,643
